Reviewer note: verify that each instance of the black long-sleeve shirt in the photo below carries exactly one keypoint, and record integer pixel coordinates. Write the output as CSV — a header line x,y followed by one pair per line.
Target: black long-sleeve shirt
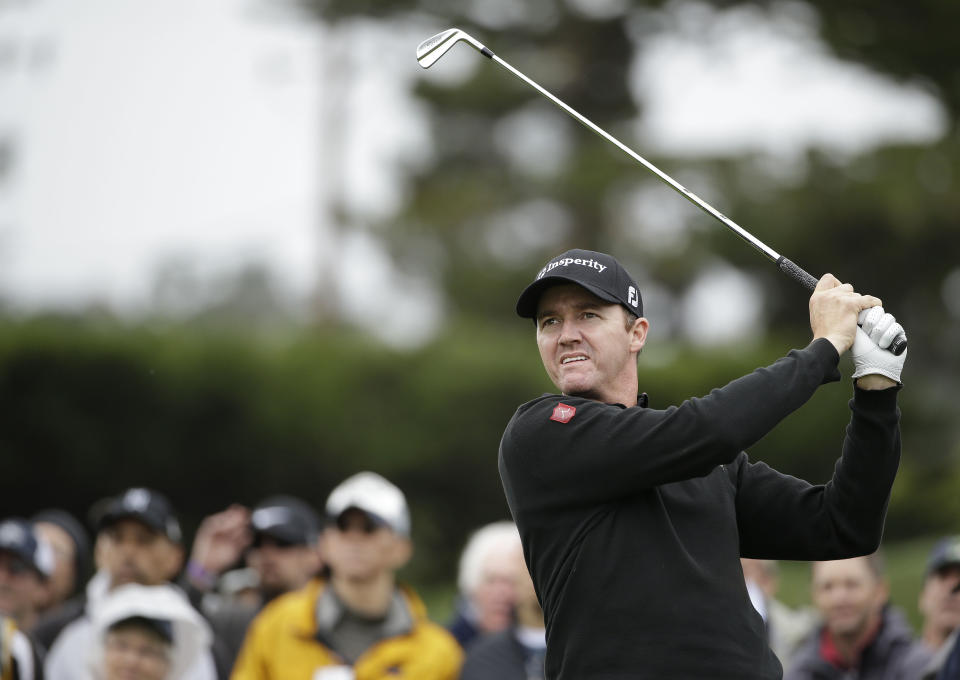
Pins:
x,y
633,520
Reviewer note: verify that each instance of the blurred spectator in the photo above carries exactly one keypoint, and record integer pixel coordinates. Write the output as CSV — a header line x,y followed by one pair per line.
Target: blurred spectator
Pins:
x,y
358,623
786,628
862,636
138,541
940,606
26,562
518,652
71,556
486,583
146,633
19,659
282,534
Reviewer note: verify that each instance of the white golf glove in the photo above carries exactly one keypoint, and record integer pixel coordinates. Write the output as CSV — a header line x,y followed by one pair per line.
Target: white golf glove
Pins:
x,y
870,355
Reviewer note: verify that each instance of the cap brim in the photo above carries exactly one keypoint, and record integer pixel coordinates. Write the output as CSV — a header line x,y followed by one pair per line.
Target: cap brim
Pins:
x,y
530,297
27,559
112,518
280,533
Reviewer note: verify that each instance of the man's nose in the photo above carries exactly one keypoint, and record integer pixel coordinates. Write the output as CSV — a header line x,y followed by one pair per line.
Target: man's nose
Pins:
x,y
569,332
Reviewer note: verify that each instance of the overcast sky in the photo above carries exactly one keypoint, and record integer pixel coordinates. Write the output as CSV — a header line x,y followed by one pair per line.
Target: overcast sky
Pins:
x,y
201,131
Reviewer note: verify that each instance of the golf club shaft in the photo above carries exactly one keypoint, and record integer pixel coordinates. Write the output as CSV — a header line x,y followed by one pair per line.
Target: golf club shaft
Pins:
x,y
785,265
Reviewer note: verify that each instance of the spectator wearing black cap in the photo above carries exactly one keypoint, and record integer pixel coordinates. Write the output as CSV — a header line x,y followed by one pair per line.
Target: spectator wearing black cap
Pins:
x,y
359,623
71,556
139,541
940,605
26,562
280,538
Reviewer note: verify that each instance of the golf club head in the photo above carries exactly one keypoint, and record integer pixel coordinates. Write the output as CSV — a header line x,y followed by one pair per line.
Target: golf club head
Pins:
x,y
431,49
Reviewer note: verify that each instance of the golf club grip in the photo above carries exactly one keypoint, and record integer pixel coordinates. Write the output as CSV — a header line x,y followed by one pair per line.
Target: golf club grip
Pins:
x,y
796,273
800,275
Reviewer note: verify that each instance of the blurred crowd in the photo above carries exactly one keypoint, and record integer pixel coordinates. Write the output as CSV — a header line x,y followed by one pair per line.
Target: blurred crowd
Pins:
x,y
283,591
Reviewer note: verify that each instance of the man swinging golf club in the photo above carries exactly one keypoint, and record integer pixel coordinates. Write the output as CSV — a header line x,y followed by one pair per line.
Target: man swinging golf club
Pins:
x,y
634,519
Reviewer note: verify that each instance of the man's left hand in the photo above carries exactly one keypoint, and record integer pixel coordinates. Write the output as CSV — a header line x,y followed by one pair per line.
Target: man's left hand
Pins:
x,y
871,358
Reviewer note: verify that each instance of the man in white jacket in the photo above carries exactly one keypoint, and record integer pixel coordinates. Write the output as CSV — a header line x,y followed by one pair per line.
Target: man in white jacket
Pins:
x,y
138,542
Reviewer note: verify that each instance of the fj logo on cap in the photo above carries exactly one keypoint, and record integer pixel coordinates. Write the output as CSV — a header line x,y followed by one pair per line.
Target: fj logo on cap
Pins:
x,y
563,413
632,297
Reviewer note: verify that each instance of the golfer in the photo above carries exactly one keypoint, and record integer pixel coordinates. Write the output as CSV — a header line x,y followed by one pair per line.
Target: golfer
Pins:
x,y
634,519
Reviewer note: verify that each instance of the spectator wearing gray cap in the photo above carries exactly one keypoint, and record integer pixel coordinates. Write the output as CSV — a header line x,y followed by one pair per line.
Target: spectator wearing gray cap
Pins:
x,y
139,541
26,562
279,538
357,622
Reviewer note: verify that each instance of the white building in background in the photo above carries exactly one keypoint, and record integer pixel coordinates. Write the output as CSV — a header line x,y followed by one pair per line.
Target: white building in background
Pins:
x,y
141,131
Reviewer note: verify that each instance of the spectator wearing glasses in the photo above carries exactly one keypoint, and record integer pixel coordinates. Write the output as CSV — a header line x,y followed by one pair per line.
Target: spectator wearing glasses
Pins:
x,y
356,621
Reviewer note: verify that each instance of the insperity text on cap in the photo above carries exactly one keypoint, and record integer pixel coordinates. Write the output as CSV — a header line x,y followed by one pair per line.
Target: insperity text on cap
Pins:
x,y
599,273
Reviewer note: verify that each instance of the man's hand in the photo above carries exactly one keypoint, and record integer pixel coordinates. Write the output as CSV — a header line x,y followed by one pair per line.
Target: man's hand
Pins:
x,y
874,365
221,539
834,308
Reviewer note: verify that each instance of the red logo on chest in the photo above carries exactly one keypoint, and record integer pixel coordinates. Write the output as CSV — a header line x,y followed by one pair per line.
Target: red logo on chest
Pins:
x,y
563,413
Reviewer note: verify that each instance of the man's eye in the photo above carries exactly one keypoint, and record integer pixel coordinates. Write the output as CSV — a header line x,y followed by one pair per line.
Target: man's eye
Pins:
x,y
550,321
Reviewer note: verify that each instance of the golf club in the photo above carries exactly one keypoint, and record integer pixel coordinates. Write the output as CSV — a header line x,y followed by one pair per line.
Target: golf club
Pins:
x,y
432,49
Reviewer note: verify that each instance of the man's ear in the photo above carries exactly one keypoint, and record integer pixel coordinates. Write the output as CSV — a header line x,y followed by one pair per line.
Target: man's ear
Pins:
x,y
638,334
174,560
402,551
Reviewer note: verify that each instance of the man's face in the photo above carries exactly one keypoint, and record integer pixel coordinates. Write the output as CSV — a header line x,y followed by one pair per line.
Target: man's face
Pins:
x,y
358,549
585,344
20,586
496,594
61,582
283,567
849,595
938,603
131,653
132,552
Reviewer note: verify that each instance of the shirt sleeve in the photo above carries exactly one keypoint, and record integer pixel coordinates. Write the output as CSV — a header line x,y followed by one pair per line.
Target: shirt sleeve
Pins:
x,y
782,517
604,451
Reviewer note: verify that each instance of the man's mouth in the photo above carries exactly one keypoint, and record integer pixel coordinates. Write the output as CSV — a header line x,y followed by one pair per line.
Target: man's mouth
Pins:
x,y
570,360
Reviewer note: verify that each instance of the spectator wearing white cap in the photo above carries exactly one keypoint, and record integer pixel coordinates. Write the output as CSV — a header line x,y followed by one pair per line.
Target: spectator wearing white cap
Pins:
x,y
139,541
357,622
26,562
146,633
280,540
486,581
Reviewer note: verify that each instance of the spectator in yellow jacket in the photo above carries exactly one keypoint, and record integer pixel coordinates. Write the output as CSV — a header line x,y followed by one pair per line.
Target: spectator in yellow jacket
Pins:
x,y
356,623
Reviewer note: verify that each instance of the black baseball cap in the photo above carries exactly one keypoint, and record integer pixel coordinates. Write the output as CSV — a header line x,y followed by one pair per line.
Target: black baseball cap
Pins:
x,y
18,538
144,505
286,519
599,273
